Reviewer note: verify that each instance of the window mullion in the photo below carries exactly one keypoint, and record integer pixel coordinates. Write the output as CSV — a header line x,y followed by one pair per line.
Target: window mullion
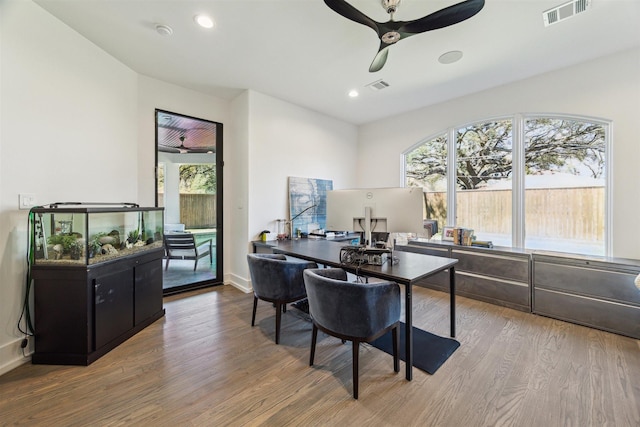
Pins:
x,y
608,217
451,177
517,181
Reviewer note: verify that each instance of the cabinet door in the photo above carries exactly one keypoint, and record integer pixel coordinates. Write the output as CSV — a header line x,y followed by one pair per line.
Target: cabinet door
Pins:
x,y
62,323
148,290
114,306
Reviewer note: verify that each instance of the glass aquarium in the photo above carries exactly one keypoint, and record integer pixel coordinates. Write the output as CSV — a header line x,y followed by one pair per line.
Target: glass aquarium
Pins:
x,y
77,235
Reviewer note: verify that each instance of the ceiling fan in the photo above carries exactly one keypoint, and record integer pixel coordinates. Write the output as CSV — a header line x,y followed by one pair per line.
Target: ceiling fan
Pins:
x,y
391,32
182,149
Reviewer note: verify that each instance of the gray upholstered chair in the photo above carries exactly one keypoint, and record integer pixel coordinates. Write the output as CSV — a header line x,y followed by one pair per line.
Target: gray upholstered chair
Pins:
x,y
278,280
354,312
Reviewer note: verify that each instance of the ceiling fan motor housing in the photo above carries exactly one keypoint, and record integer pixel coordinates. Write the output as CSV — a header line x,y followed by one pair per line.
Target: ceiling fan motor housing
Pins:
x,y
390,5
391,37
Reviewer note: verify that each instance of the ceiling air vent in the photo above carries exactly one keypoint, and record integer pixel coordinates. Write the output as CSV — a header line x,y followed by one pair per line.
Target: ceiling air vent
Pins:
x,y
564,11
378,85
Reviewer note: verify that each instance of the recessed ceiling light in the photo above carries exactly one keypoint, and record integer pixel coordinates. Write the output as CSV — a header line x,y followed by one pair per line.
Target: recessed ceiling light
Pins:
x,y
164,30
353,93
450,57
204,21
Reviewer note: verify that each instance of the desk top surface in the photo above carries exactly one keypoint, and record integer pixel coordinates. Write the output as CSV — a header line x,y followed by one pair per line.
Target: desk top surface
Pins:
x,y
409,268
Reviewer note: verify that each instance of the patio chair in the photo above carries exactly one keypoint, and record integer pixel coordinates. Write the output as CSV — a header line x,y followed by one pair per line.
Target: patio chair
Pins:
x,y
183,246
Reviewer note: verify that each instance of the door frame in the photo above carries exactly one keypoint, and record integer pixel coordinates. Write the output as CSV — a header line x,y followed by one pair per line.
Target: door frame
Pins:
x,y
219,143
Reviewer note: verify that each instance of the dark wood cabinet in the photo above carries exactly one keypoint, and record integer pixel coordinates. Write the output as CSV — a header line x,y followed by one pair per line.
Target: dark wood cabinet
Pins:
x,y
113,305
147,298
81,313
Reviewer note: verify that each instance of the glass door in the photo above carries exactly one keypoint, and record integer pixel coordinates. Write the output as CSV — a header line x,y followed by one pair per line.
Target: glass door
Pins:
x,y
189,187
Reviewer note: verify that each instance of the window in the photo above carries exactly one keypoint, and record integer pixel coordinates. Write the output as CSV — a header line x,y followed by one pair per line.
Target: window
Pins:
x,y
426,167
483,179
537,182
564,185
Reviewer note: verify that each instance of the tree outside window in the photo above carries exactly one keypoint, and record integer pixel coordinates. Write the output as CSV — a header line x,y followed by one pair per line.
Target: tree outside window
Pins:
x,y
198,179
484,167
565,185
563,169
426,167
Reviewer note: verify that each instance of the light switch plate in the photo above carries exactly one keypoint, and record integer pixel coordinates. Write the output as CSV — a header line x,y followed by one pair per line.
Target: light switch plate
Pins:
x,y
26,201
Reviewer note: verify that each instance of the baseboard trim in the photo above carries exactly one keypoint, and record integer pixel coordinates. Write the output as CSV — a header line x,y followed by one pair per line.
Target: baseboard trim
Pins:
x,y
11,355
238,283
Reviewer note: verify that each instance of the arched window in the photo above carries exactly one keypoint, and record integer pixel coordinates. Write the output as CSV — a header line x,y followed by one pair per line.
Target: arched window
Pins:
x,y
527,181
426,167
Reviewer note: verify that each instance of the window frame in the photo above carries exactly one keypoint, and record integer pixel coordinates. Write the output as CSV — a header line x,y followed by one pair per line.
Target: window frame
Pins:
x,y
518,170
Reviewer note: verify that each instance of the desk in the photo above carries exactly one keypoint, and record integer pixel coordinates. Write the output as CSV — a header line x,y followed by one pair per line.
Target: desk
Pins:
x,y
410,268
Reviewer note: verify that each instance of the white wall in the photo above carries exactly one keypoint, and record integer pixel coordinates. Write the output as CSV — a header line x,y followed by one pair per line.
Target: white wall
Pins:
x,y
287,140
68,132
154,94
236,191
283,140
607,88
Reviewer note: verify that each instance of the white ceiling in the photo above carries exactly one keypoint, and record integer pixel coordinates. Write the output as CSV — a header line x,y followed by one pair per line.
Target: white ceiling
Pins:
x,y
302,52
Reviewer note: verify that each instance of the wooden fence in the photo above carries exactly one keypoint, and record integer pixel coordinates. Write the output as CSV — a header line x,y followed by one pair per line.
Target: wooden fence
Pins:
x,y
576,213
196,210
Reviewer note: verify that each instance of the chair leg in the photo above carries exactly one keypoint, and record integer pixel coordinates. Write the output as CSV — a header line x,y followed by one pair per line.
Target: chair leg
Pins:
x,y
166,267
314,337
396,344
278,320
356,353
284,308
195,265
255,305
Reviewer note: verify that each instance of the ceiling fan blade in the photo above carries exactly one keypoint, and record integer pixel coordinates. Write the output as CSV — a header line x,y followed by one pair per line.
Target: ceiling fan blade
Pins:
x,y
380,59
345,9
202,150
165,149
445,17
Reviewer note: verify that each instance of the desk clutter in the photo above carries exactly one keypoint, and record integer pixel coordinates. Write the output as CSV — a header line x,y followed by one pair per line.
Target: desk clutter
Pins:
x,y
357,255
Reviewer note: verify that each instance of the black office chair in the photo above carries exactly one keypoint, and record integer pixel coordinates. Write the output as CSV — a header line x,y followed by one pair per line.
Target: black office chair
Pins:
x,y
354,312
277,280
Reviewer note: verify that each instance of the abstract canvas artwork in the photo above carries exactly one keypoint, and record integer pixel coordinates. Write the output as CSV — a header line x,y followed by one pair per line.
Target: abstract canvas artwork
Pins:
x,y
308,203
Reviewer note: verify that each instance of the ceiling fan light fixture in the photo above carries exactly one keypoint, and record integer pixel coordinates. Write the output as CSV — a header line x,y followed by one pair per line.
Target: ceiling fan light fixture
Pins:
x,y
450,57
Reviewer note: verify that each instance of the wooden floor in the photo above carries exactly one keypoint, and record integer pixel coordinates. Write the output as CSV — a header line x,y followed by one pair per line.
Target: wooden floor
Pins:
x,y
204,365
